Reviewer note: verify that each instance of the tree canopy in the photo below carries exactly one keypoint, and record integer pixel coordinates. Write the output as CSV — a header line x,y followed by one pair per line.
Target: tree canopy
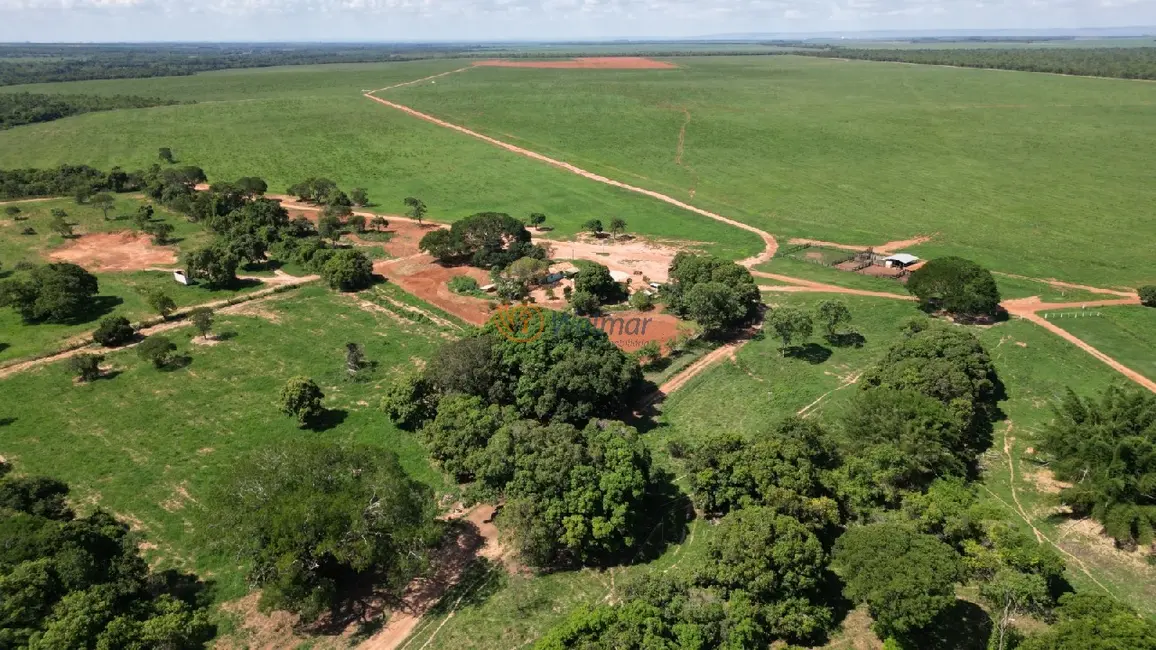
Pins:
x,y
53,293
484,240
955,285
730,298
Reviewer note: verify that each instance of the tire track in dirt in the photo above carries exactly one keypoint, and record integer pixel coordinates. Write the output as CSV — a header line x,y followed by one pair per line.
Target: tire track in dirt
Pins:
x,y
769,242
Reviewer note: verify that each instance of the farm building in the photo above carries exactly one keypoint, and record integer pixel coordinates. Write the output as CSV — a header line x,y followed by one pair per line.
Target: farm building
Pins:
x,y
900,260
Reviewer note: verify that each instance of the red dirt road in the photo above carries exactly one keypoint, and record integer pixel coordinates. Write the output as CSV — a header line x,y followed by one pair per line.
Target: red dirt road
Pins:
x,y
587,63
769,241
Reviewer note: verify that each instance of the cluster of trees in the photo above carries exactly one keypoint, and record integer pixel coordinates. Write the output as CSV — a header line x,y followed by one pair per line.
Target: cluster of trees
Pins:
x,y
52,293
529,423
593,288
793,325
716,293
28,108
957,286
1122,62
323,191
484,240
66,180
1106,447
1147,295
79,582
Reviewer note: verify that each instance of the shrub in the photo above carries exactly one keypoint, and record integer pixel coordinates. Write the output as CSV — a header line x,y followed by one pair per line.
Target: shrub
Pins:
x,y
157,349
463,284
641,301
584,304
114,331
1148,295
301,398
161,303
86,367
956,285
348,270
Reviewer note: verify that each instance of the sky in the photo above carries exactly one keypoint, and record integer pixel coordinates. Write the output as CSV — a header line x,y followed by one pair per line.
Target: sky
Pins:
x,y
492,20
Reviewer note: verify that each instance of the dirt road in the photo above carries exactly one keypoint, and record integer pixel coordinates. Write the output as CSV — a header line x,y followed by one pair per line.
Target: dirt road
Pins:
x,y
770,245
801,286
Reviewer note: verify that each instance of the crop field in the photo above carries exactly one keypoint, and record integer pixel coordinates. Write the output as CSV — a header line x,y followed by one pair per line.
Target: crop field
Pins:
x,y
1034,174
122,291
145,443
1126,333
287,124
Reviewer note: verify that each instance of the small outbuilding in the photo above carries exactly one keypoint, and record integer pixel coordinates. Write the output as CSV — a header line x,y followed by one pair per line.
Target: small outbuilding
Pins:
x,y
900,261
620,276
181,277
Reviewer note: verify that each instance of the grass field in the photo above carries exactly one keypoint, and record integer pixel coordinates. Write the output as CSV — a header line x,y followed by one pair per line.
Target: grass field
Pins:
x,y
121,293
286,124
146,443
1125,333
1035,174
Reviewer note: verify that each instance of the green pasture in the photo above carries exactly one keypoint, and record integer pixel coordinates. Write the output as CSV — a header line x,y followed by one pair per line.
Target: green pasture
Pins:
x,y
286,124
1039,175
147,443
1127,334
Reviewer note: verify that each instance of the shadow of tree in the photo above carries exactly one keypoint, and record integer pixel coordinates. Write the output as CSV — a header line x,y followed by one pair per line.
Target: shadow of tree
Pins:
x,y
812,353
963,626
328,419
847,340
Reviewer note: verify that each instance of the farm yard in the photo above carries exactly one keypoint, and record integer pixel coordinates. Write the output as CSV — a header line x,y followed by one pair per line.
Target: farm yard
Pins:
x,y
787,165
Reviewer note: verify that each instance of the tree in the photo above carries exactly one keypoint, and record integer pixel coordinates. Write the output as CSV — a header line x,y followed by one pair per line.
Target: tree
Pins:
x,y
161,233
417,209
1089,621
1106,447
904,578
202,319
82,193
329,227
86,367
1017,575
54,293
215,264
318,522
593,226
60,226
166,155
58,213
775,560
791,325
584,303
359,196
252,185
617,226
409,401
348,270
642,301
713,305
690,269
955,285
357,222
483,240
161,303
157,349
379,222
105,202
830,314
460,431
301,398
537,219
1147,295
114,331
595,279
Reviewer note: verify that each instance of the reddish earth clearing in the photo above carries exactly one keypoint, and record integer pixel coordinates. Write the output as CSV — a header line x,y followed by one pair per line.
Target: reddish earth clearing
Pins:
x,y
117,251
588,63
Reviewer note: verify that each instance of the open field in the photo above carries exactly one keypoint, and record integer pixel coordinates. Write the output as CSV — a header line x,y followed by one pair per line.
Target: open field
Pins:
x,y
116,261
1126,333
324,127
1035,174
146,443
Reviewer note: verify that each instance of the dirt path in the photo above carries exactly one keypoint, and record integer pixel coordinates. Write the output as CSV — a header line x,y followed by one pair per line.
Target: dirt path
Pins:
x,y
798,285
887,248
38,199
676,382
1027,309
770,245
222,306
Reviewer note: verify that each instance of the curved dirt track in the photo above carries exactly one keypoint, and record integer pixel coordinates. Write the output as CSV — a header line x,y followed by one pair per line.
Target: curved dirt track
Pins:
x,y
770,245
809,286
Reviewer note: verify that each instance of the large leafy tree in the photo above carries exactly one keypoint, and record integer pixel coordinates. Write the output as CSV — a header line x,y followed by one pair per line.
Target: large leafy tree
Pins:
x,y
956,285
315,520
573,496
484,240
1088,621
713,305
348,270
460,432
215,264
904,578
79,582
1107,448
53,293
690,269
595,280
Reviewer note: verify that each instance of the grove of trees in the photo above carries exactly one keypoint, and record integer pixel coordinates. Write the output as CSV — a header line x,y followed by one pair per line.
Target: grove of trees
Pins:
x,y
716,293
483,240
54,293
955,285
28,108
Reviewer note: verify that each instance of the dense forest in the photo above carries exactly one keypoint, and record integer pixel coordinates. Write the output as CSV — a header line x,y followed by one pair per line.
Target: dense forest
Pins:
x,y
1121,62
29,108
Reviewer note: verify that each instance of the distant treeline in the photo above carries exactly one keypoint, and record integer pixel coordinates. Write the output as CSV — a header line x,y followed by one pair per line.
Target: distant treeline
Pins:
x,y
1121,62
29,108
66,180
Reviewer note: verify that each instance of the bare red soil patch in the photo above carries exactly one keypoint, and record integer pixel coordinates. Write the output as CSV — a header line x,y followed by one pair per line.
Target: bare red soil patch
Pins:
x,y
630,330
588,63
427,280
116,251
